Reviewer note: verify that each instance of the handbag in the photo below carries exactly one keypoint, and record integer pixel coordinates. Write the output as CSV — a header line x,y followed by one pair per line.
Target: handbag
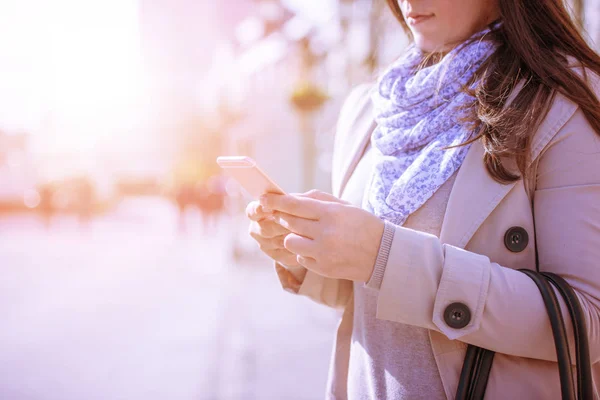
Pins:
x,y
478,361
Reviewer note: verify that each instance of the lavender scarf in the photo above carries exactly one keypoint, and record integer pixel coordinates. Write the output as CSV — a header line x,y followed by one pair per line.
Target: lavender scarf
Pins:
x,y
417,114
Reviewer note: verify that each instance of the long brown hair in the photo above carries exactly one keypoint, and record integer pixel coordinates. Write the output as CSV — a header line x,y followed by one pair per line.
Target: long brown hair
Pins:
x,y
535,40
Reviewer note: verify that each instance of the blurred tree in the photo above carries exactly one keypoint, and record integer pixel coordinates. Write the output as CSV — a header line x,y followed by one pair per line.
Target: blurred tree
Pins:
x,y
307,97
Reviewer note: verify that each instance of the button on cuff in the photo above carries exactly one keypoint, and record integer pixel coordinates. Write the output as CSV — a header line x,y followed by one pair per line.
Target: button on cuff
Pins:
x,y
462,292
457,315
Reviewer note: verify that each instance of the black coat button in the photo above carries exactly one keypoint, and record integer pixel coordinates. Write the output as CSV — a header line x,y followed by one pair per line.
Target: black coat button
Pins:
x,y
516,239
457,315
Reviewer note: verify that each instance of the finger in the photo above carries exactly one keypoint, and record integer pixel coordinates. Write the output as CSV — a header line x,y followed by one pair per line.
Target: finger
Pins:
x,y
266,229
280,254
255,211
323,196
293,204
301,226
306,262
299,245
275,243
283,256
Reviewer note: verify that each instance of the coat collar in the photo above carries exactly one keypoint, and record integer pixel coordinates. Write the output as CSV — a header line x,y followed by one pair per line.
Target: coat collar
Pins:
x,y
356,149
474,194
355,134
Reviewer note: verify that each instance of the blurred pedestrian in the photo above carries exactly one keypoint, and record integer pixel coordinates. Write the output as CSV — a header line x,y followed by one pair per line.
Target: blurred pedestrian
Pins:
x,y
46,205
211,202
85,195
184,197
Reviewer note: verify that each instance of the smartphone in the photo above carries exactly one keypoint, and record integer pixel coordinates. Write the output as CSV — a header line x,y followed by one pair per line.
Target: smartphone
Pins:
x,y
245,171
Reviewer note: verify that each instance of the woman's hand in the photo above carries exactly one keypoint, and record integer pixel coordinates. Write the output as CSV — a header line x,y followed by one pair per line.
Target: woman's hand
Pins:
x,y
269,234
328,236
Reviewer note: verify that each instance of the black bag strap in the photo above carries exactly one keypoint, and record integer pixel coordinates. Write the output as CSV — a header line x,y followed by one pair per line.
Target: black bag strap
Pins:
x,y
559,332
475,373
478,361
585,388
478,389
463,392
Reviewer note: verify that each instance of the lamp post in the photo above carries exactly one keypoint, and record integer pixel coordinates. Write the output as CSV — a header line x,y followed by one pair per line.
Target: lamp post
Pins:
x,y
307,98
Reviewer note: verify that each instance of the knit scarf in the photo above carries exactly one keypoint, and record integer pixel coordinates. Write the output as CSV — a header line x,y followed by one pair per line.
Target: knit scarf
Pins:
x,y
418,113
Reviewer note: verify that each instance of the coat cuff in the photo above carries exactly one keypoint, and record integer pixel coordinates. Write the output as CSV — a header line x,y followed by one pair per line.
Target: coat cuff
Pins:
x,y
407,293
423,278
382,256
465,280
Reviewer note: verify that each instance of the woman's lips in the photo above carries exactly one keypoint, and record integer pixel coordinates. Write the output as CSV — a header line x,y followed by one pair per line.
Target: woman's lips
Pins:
x,y
417,19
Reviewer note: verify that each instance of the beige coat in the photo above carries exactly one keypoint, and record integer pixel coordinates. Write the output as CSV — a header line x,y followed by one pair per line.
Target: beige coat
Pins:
x,y
469,263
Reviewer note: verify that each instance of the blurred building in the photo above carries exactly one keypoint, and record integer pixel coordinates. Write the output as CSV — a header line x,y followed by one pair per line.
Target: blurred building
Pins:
x,y
283,49
222,75
178,40
148,87
346,41
17,172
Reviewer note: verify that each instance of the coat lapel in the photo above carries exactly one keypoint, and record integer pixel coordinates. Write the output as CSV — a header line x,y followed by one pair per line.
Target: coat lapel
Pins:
x,y
476,194
355,153
473,197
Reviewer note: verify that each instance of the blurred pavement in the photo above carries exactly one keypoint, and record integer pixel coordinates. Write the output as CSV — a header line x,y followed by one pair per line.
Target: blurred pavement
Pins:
x,y
131,309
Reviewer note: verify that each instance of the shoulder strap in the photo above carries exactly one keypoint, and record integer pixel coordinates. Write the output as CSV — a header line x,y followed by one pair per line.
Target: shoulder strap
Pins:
x,y
585,388
559,332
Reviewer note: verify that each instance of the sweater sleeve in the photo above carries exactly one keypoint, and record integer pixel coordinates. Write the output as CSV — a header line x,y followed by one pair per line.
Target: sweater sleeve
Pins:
x,y
382,257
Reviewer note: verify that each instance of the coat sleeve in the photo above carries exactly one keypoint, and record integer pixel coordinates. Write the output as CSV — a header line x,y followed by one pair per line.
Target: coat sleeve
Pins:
x,y
423,275
330,292
297,280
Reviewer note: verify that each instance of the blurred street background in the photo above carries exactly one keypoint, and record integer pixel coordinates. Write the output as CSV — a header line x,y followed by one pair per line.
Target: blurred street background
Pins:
x,y
126,268
131,309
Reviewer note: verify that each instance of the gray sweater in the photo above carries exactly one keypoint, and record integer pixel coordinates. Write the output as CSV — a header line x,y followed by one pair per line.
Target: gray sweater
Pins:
x,y
389,360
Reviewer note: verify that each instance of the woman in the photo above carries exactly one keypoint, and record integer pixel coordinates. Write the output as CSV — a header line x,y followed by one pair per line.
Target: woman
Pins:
x,y
438,172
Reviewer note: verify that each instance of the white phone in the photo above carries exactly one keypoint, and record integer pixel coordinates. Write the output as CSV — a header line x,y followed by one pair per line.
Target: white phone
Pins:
x,y
249,175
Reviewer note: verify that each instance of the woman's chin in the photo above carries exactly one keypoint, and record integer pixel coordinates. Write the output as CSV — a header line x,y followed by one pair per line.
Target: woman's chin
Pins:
x,y
427,45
